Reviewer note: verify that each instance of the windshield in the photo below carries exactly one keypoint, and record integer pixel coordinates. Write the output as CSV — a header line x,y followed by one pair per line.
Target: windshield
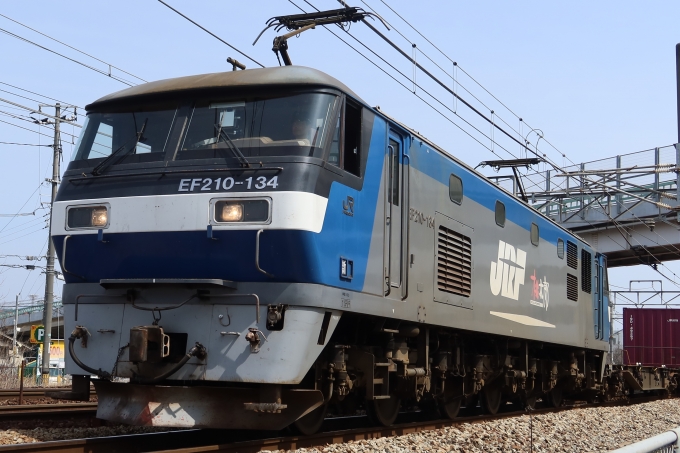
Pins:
x,y
292,125
106,133
297,125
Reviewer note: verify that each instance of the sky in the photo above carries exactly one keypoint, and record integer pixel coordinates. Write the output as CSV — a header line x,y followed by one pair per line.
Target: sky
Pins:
x,y
597,78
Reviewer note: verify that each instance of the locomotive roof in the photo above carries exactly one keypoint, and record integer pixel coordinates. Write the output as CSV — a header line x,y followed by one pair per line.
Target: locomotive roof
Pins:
x,y
285,76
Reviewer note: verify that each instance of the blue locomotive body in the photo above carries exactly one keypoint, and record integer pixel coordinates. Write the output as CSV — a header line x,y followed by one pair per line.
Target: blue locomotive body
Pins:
x,y
266,232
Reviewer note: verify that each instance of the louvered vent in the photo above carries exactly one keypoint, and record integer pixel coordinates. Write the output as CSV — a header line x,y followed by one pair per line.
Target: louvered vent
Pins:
x,y
586,269
572,287
572,255
454,262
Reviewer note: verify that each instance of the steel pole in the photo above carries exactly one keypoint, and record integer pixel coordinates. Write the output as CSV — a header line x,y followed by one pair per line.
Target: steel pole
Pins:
x,y
49,273
677,145
16,321
677,89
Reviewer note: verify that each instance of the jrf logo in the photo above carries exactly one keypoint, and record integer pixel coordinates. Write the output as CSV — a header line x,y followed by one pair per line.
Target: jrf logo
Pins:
x,y
507,272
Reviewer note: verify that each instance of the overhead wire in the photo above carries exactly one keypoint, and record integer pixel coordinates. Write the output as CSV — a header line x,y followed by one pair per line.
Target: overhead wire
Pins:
x,y
39,112
73,48
41,256
31,130
491,121
400,83
109,74
407,88
213,34
468,74
21,208
457,82
38,94
24,144
438,66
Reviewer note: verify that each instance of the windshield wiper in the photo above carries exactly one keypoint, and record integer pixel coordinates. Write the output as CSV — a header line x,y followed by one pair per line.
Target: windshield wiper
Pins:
x,y
237,152
120,151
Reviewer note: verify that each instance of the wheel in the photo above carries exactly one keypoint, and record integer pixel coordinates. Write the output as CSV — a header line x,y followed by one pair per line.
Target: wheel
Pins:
x,y
310,423
449,407
554,397
383,412
452,399
492,397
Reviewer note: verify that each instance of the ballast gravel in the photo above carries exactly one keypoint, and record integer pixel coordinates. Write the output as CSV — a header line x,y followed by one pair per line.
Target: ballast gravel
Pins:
x,y
45,434
594,429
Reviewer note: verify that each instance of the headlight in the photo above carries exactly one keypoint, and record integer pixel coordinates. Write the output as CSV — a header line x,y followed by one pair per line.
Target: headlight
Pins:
x,y
231,213
100,217
246,211
87,217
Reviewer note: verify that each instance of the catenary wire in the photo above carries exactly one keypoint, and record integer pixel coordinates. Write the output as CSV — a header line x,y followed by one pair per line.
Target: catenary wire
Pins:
x,y
24,144
417,85
22,207
400,83
71,47
119,79
492,123
457,82
36,132
38,94
471,77
213,34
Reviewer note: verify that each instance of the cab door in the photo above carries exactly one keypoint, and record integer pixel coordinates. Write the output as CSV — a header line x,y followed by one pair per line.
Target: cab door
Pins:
x,y
396,220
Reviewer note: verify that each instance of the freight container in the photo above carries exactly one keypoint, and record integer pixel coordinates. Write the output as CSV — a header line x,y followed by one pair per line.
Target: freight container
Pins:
x,y
651,336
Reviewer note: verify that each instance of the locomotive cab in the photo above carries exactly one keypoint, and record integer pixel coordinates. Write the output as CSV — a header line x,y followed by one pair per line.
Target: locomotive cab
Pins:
x,y
187,210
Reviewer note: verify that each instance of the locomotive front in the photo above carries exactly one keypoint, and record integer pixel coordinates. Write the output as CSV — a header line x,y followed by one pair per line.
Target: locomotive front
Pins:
x,y
185,225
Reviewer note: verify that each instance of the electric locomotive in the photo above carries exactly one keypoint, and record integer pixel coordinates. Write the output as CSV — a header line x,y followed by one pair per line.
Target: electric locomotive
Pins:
x,y
253,249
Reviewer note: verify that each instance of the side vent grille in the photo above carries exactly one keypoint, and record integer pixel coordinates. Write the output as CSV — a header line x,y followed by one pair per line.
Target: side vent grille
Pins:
x,y
586,269
572,287
572,255
454,262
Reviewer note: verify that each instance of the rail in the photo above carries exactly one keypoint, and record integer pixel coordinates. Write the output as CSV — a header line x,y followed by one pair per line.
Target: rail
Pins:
x,y
48,411
337,430
668,442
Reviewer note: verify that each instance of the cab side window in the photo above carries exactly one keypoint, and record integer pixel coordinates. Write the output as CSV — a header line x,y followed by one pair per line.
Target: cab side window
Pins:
x,y
352,146
345,147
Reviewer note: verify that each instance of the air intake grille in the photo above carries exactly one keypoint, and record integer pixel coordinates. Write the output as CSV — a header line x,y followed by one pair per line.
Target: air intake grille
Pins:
x,y
572,255
572,287
454,262
586,269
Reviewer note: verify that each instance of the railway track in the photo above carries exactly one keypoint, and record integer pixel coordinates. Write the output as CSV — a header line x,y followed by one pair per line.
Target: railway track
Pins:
x,y
335,431
28,393
32,393
48,411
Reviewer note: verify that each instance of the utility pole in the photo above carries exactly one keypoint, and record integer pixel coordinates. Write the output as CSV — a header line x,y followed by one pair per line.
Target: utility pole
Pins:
x,y
49,271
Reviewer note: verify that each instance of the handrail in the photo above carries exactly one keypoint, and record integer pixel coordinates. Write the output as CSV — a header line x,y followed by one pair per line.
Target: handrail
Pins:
x,y
406,205
388,231
257,254
667,441
63,259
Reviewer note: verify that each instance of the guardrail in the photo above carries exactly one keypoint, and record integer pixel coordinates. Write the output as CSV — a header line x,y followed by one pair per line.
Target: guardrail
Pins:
x,y
668,442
